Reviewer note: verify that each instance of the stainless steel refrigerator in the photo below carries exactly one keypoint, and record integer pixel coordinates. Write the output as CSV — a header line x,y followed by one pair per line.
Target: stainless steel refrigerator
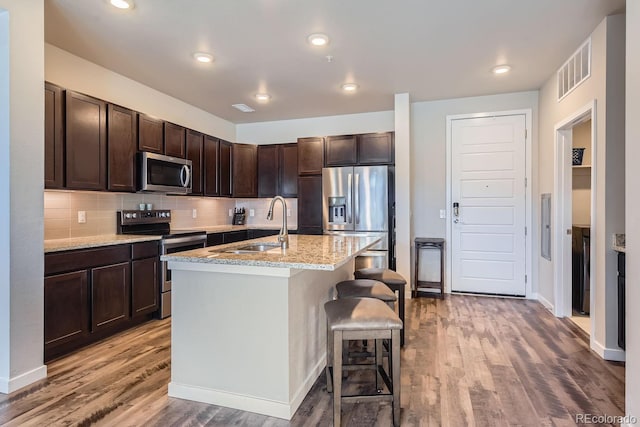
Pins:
x,y
359,200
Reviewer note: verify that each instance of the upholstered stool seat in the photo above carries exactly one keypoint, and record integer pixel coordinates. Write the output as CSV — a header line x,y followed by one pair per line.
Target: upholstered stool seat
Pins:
x,y
365,288
363,318
393,280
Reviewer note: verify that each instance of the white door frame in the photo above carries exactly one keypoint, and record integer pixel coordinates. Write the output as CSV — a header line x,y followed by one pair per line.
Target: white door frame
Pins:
x,y
528,208
562,209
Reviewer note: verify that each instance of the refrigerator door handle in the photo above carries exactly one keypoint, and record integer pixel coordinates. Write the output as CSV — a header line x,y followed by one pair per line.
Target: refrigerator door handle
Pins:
x,y
357,198
349,195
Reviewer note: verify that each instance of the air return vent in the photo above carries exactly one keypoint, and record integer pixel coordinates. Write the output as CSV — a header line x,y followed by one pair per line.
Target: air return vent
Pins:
x,y
576,70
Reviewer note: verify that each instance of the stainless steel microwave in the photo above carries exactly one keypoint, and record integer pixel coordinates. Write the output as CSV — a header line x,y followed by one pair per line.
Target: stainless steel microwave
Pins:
x,y
164,174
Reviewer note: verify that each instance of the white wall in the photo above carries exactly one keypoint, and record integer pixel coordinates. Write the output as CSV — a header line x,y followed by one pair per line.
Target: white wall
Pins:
x,y
72,72
632,406
21,188
607,73
428,154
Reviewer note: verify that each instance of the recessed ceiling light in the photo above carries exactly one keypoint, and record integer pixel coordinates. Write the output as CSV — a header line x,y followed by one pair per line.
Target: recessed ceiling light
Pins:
x,y
243,107
263,97
318,39
203,57
122,4
501,69
349,87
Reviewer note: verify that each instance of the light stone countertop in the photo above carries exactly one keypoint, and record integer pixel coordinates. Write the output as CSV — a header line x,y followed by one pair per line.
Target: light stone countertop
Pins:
x,y
619,248
304,253
57,245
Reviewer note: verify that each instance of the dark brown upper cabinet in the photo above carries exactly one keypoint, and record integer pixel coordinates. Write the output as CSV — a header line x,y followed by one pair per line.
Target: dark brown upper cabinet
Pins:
x,y
376,148
150,135
194,151
363,149
278,170
174,140
224,168
341,150
245,170
53,136
122,136
310,156
86,142
211,166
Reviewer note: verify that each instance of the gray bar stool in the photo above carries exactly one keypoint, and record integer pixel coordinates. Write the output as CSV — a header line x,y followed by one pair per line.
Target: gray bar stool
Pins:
x,y
393,280
361,319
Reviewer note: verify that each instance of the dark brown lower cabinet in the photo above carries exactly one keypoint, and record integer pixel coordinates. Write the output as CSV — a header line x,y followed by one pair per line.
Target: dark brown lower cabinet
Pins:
x,y
65,308
110,294
90,294
310,204
144,286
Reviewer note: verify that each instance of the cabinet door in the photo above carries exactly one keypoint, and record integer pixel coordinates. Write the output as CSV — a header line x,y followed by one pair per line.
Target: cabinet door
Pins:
x,y
174,140
341,150
268,170
212,148
150,137
86,142
214,239
310,156
224,168
245,170
53,137
144,286
235,236
310,204
194,153
288,170
122,135
65,308
376,148
110,296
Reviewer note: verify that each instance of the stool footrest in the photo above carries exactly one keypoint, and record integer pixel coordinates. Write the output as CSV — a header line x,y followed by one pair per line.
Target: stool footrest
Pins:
x,y
386,397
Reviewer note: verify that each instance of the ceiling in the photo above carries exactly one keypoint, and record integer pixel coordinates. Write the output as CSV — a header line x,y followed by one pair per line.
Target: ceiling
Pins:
x,y
431,49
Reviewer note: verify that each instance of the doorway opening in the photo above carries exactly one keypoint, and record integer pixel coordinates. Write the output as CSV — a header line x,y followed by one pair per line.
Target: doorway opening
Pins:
x,y
575,217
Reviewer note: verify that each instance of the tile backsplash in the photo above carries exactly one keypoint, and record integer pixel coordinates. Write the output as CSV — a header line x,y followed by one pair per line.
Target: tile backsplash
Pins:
x,y
61,211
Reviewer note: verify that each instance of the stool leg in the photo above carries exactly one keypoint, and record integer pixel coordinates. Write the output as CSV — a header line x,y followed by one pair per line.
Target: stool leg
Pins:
x,y
379,350
401,311
329,360
395,380
337,378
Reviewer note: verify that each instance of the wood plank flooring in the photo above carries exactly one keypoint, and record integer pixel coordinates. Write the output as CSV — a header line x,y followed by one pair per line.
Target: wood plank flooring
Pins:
x,y
467,361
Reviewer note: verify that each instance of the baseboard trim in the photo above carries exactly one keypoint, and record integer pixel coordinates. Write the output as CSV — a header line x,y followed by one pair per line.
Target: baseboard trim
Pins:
x,y
613,354
306,385
9,385
542,300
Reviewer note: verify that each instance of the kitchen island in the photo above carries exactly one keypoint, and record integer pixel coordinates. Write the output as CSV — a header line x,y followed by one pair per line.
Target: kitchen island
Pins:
x,y
248,328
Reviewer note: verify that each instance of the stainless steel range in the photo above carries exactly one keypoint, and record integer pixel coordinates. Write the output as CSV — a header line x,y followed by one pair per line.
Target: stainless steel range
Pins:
x,y
158,223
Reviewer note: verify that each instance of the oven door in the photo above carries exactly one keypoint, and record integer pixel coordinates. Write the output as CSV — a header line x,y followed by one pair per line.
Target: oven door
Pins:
x,y
177,244
164,174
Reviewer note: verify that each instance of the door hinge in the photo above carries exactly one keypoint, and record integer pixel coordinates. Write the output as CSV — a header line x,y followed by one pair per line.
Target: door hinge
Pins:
x,y
525,231
525,182
525,134
525,278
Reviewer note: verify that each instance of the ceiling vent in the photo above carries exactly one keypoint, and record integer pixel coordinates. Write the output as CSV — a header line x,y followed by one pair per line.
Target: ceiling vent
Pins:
x,y
243,107
576,70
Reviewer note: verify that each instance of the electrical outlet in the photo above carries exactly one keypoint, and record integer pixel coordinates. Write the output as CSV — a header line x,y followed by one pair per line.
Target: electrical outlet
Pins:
x,y
82,217
443,214
194,213
230,212
288,212
252,212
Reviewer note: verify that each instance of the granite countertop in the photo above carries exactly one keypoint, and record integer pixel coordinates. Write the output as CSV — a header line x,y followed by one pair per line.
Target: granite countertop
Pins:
x,y
228,227
619,243
304,252
57,245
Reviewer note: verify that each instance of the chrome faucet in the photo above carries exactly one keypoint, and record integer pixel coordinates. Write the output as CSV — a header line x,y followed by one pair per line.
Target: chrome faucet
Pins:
x,y
283,237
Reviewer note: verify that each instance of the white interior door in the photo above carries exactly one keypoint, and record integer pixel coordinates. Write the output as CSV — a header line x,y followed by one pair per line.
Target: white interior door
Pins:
x,y
488,171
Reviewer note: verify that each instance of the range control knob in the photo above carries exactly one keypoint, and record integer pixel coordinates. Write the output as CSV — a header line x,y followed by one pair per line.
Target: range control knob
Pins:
x,y
127,215
168,214
135,215
163,214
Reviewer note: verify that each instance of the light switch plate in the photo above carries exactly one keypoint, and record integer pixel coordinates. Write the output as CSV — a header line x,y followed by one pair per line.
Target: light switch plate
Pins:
x,y
82,217
252,212
230,212
194,213
443,214
288,212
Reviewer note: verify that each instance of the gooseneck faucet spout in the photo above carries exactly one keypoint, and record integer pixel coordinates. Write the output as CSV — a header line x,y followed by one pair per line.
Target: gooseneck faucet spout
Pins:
x,y
283,237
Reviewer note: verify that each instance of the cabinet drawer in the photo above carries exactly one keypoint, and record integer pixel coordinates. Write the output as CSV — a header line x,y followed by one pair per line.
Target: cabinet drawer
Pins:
x,y
85,258
214,239
144,250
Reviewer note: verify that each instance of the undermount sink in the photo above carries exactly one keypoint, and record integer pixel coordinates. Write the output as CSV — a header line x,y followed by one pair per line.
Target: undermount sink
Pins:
x,y
250,248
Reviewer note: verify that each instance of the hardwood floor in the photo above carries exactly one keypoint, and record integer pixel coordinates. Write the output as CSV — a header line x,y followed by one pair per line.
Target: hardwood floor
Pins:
x,y
466,361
